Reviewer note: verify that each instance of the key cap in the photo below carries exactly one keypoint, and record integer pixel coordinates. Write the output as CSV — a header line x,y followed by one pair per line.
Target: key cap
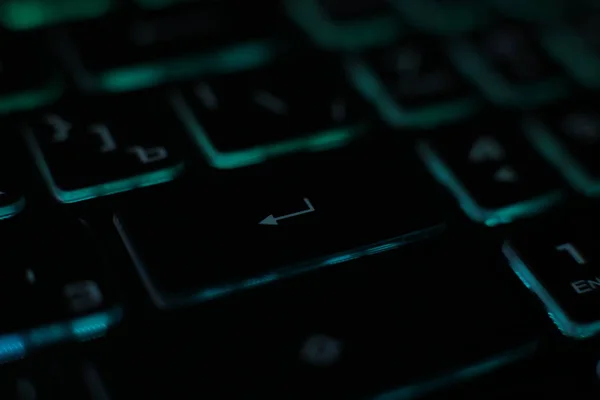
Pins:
x,y
27,78
149,48
13,175
56,285
509,66
31,14
92,147
301,105
348,25
558,261
445,16
318,335
568,136
412,83
493,173
277,220
576,46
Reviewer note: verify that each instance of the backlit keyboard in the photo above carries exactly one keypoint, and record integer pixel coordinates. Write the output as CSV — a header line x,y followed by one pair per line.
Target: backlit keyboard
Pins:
x,y
299,199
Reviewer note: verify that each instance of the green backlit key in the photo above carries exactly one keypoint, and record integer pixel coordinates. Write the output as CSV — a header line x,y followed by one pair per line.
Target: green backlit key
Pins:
x,y
568,135
28,78
491,170
30,14
302,104
92,147
345,24
269,222
558,261
148,48
445,16
412,83
55,286
510,66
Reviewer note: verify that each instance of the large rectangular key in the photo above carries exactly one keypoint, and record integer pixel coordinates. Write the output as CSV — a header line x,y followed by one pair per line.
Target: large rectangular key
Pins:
x,y
275,220
396,325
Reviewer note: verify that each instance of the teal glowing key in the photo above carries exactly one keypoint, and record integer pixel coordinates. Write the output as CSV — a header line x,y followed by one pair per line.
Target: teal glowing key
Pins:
x,y
495,178
98,149
445,17
412,84
31,14
236,124
510,67
376,26
569,137
146,51
557,262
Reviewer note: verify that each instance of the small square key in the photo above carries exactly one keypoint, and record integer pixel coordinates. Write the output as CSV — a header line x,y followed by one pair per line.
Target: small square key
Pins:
x,y
92,147
445,16
345,24
56,285
247,118
412,83
151,47
490,168
509,65
28,78
278,220
568,136
558,260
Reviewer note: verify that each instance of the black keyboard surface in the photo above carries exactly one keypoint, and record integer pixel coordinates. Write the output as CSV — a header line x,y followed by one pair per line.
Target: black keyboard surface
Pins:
x,y
299,199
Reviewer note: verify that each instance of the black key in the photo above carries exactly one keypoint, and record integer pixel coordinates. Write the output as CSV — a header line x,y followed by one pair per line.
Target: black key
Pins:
x,y
532,10
559,262
278,220
510,66
91,147
335,334
13,175
27,77
493,172
568,135
56,284
303,104
148,48
413,83
348,25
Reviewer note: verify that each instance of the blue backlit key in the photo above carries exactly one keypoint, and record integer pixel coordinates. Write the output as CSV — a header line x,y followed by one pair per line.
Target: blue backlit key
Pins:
x,y
241,119
568,136
509,65
56,285
277,220
87,148
494,174
345,24
412,83
559,262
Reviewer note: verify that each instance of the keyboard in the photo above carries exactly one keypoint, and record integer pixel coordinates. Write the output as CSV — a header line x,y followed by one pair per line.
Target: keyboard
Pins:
x,y
299,199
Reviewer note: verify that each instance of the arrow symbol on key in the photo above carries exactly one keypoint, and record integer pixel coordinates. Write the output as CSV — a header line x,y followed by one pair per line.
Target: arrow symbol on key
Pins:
x,y
271,220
